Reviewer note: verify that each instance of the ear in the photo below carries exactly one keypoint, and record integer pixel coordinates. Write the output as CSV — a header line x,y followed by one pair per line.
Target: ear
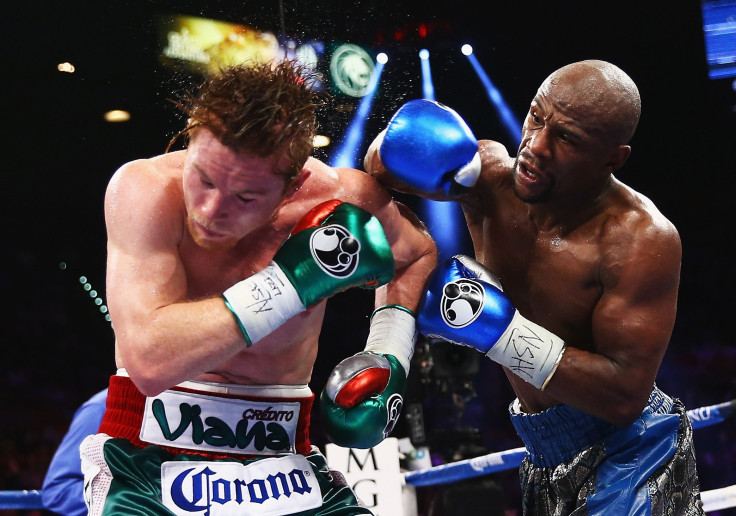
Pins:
x,y
618,157
296,183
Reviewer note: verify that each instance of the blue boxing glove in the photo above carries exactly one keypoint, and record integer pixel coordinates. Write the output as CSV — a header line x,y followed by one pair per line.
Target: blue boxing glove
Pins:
x,y
363,396
464,303
430,147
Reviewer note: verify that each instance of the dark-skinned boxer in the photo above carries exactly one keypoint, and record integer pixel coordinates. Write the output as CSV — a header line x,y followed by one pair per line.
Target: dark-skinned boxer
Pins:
x,y
572,289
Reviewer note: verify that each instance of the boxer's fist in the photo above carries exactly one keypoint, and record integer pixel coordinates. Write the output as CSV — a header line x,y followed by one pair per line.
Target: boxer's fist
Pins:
x,y
362,399
334,247
430,147
464,303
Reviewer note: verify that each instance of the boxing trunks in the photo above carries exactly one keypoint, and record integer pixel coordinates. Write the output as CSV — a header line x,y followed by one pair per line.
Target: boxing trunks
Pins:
x,y
578,464
212,449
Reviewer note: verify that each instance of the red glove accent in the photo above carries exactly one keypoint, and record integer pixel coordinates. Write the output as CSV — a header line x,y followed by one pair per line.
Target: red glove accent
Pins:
x,y
362,386
316,215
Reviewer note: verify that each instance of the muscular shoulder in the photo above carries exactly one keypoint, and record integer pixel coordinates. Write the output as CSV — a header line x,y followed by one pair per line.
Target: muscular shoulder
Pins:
x,y
146,193
147,180
636,236
348,184
156,172
495,177
358,188
494,156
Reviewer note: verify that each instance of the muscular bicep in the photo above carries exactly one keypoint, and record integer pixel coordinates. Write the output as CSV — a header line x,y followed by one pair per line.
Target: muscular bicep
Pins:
x,y
144,271
634,318
415,256
611,375
414,250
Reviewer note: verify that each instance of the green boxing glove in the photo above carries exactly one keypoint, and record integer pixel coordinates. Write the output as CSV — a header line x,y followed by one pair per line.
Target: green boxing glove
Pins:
x,y
363,397
334,247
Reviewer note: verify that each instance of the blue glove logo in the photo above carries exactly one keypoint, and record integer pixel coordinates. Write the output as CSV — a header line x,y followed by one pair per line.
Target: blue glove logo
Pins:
x,y
462,302
335,250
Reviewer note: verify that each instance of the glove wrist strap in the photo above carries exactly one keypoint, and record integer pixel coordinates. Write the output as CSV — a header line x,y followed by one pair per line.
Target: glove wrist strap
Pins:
x,y
263,302
529,351
393,332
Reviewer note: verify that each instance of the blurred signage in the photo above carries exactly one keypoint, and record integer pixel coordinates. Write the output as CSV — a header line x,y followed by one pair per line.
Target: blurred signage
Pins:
x,y
719,31
203,45
351,67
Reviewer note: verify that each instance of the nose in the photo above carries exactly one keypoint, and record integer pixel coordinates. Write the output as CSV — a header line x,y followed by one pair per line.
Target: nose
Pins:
x,y
213,205
539,143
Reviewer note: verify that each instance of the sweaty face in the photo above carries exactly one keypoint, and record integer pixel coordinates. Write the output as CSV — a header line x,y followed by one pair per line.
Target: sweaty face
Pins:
x,y
562,152
227,194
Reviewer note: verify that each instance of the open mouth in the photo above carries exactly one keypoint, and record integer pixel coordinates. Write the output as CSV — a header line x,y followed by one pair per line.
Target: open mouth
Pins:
x,y
527,175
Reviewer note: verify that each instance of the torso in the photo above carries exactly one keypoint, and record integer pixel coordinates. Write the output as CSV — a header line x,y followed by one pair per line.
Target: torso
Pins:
x,y
287,355
552,276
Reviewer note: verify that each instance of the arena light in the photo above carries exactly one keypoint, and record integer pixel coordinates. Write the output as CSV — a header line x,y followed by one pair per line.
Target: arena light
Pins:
x,y
65,67
347,153
427,84
466,49
117,115
382,58
320,140
512,125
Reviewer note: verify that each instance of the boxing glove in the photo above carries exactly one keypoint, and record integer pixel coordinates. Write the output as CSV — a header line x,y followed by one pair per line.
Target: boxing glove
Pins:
x,y
363,396
428,146
334,247
464,303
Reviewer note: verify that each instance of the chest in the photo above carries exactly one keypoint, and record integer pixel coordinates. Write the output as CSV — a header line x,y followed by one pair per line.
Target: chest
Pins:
x,y
210,271
551,277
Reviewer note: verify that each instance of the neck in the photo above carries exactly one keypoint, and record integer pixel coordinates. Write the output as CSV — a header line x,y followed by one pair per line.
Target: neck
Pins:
x,y
561,215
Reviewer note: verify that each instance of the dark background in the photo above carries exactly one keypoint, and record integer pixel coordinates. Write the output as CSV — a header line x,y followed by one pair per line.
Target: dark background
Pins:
x,y
58,155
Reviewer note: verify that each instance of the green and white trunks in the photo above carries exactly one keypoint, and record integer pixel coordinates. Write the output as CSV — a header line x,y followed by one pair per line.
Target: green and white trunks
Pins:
x,y
210,449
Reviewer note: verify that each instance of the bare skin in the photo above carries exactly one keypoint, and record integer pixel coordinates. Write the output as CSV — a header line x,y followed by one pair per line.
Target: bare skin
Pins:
x,y
576,250
185,226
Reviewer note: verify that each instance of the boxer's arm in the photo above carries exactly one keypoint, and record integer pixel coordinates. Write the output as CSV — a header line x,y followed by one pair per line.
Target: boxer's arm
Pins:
x,y
162,338
414,250
363,396
631,326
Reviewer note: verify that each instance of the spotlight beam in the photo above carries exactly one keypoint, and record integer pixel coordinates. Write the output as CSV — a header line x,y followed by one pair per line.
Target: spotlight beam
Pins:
x,y
512,125
346,155
444,219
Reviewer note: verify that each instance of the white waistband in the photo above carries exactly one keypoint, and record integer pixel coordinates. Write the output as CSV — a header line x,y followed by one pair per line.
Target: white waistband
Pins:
x,y
263,391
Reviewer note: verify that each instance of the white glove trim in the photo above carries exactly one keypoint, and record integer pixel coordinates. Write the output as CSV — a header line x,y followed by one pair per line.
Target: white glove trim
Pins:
x,y
468,174
528,350
263,302
393,332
